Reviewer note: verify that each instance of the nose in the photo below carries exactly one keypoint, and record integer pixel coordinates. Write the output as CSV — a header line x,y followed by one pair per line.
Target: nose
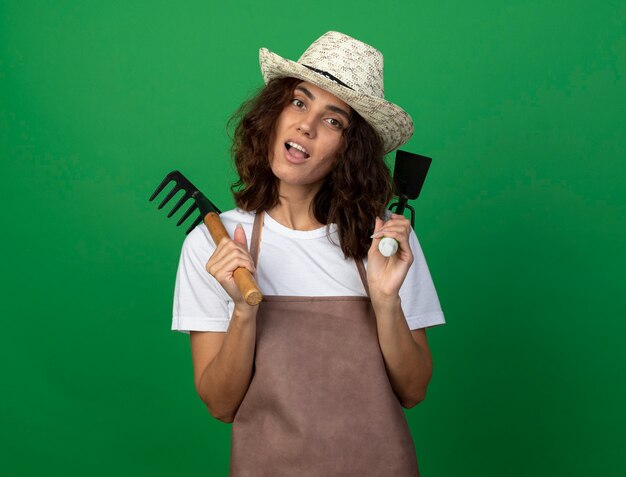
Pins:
x,y
307,125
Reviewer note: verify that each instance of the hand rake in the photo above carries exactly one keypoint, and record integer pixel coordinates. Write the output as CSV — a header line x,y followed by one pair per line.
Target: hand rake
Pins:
x,y
209,214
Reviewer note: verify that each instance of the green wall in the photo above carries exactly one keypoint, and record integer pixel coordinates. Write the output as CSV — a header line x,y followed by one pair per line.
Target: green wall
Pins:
x,y
522,219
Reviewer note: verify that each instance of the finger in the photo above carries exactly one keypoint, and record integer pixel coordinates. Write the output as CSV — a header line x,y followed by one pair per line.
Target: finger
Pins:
x,y
240,236
223,267
396,228
233,250
378,225
238,262
228,245
399,235
225,252
398,220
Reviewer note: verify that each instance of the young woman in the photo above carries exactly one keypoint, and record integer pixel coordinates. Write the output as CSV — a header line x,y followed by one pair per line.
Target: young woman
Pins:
x,y
315,377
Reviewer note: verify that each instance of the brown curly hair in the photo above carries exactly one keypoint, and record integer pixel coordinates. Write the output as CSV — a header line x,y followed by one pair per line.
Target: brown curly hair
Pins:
x,y
355,192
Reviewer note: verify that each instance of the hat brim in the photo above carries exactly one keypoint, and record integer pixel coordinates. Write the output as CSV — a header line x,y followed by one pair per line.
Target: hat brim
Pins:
x,y
391,122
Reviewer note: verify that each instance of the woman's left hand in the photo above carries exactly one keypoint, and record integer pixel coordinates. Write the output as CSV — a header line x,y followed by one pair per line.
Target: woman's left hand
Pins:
x,y
385,275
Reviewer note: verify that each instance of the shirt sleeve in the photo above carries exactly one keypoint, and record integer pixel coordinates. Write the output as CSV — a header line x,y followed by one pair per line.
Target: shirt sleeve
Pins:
x,y
200,302
420,302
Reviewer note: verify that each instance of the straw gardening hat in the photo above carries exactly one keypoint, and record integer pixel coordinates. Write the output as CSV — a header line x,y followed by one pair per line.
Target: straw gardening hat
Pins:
x,y
353,72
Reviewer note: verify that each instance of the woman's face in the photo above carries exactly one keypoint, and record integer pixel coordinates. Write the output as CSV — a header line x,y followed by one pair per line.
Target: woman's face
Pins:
x,y
308,136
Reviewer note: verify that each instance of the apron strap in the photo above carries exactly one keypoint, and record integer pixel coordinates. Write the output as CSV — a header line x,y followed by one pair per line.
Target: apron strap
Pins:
x,y
255,240
363,275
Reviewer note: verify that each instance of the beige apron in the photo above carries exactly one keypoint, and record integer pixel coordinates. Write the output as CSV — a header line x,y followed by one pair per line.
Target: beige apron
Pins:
x,y
320,402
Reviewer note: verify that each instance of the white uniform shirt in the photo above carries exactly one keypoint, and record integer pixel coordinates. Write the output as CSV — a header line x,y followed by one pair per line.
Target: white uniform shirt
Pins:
x,y
291,263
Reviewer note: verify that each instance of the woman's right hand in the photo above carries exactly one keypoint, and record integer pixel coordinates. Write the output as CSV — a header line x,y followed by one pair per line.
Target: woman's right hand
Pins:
x,y
228,256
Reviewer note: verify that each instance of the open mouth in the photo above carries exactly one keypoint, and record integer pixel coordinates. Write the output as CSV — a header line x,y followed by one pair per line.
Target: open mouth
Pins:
x,y
296,150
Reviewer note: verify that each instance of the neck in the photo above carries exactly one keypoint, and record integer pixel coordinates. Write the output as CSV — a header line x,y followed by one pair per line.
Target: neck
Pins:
x,y
294,208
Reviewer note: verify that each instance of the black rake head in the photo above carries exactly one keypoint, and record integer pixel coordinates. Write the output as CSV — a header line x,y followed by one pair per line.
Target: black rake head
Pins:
x,y
191,192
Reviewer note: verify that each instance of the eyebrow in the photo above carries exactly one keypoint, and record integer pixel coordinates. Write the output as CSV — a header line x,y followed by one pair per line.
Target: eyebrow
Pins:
x,y
330,107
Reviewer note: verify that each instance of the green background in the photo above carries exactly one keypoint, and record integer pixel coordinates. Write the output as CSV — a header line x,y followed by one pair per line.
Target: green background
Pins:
x,y
522,105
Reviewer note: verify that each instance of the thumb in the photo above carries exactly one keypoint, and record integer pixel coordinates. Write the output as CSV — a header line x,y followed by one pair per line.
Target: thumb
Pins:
x,y
240,236
377,226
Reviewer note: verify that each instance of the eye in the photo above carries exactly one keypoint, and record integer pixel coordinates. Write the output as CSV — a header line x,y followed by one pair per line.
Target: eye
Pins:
x,y
297,103
335,123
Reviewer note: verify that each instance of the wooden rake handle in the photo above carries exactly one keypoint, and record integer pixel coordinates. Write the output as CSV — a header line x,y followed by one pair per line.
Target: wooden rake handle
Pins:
x,y
243,278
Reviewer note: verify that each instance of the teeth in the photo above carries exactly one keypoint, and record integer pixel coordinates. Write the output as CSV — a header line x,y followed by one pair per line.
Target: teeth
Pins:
x,y
298,147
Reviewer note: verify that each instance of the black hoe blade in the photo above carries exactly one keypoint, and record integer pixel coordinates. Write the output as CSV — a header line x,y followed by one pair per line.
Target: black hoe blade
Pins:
x,y
409,173
408,176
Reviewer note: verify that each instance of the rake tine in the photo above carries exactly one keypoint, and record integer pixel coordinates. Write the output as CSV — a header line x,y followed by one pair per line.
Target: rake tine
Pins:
x,y
193,207
193,226
182,200
170,194
200,202
160,187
